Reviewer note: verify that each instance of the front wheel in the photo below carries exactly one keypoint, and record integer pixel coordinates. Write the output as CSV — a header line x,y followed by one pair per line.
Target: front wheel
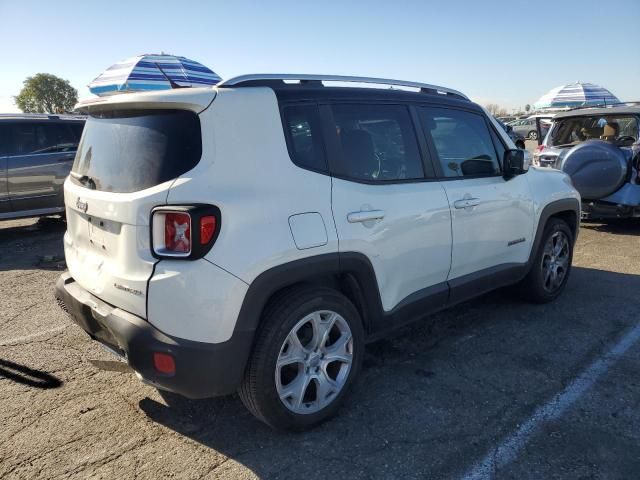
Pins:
x,y
308,352
552,263
533,135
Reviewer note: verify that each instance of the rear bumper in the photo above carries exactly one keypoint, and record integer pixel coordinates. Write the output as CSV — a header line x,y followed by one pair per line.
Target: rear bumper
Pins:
x,y
202,369
596,210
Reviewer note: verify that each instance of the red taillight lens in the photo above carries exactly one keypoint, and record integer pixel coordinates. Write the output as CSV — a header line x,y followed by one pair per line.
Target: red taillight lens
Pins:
x,y
177,232
164,363
207,228
539,148
184,231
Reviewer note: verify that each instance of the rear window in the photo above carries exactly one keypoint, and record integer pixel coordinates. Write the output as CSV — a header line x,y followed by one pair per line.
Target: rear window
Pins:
x,y
618,129
126,151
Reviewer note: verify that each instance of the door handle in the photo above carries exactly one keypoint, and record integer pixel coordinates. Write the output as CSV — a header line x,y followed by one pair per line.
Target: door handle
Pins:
x,y
355,217
466,202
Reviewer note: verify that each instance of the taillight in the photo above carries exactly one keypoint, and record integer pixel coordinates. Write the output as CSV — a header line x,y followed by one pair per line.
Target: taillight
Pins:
x,y
539,148
184,231
177,232
207,229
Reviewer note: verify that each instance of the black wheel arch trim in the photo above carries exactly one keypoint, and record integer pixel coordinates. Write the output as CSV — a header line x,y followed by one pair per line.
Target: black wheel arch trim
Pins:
x,y
355,273
554,208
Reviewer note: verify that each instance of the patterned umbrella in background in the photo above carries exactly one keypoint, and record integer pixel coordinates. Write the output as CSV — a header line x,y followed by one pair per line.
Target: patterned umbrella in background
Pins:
x,y
152,72
576,94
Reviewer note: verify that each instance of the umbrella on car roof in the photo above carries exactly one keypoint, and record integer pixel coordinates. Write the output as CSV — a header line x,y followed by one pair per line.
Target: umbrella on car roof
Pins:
x,y
576,94
152,72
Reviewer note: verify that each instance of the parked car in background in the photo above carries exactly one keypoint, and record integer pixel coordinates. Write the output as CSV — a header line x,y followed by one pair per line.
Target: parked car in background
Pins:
x,y
600,150
517,139
261,258
36,154
525,127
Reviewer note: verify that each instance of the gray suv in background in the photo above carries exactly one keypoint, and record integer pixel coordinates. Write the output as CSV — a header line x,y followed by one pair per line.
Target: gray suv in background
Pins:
x,y
36,154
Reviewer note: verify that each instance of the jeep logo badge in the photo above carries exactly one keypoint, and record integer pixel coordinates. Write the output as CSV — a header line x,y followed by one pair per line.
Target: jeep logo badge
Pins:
x,y
82,205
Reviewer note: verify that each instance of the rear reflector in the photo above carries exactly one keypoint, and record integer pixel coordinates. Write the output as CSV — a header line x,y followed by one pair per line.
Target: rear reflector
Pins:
x,y
164,363
207,229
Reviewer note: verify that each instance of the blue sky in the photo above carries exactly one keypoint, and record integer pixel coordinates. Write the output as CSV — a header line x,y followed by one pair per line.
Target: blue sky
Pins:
x,y
504,52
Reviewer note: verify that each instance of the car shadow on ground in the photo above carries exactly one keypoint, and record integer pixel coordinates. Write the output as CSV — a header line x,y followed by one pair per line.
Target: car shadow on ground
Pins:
x,y
615,226
30,377
433,399
32,244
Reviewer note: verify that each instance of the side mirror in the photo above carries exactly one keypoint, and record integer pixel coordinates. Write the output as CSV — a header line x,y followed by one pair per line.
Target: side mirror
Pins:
x,y
514,163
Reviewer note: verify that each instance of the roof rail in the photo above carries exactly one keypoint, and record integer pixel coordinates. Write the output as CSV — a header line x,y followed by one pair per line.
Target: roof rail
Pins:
x,y
265,78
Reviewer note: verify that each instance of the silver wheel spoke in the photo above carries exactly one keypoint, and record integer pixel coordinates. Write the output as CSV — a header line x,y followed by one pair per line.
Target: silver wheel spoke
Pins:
x,y
295,353
296,390
325,387
321,329
339,350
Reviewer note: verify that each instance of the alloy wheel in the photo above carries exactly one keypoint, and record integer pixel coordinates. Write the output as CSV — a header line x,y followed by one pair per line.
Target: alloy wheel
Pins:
x,y
555,261
314,362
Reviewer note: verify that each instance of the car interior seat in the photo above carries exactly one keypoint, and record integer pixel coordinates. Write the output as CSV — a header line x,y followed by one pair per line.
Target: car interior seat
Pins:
x,y
610,131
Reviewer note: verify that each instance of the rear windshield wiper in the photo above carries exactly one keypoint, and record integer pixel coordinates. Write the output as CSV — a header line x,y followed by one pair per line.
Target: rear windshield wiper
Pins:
x,y
85,180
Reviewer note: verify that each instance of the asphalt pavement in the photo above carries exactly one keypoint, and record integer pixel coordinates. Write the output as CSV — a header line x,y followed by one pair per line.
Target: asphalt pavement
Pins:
x,y
493,388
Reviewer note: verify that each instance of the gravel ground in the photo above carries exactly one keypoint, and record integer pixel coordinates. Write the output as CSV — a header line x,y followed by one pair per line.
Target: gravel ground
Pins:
x,y
493,388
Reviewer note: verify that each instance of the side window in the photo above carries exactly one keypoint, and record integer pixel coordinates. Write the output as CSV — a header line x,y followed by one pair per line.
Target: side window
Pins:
x,y
462,141
376,143
302,131
32,138
23,138
4,139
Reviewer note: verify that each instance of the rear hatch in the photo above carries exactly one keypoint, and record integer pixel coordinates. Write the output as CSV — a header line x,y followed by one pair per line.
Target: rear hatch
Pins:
x,y
129,155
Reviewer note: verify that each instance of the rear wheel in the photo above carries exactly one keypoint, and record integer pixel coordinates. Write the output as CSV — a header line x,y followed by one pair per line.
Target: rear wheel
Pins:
x,y
533,135
552,264
308,353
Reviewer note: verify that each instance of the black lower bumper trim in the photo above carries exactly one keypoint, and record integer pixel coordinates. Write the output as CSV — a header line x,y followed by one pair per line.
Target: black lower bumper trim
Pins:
x,y
202,369
596,210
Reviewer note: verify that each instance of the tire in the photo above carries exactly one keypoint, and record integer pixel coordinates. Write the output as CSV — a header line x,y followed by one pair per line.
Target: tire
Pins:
x,y
533,135
539,285
267,388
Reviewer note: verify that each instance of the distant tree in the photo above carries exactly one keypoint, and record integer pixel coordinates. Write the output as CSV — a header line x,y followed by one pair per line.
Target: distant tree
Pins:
x,y
527,107
492,108
46,93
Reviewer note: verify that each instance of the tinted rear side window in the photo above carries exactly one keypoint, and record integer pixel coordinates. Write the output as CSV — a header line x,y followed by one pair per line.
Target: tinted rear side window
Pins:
x,y
27,138
127,151
462,141
302,129
4,139
377,143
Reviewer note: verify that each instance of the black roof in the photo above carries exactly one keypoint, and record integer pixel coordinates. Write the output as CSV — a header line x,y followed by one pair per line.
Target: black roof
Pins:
x,y
320,93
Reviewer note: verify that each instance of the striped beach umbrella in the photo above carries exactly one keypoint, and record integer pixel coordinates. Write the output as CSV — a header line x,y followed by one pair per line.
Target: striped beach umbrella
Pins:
x,y
576,94
152,72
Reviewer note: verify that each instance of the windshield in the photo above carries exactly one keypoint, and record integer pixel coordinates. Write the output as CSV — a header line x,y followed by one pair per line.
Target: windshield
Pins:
x,y
619,129
126,151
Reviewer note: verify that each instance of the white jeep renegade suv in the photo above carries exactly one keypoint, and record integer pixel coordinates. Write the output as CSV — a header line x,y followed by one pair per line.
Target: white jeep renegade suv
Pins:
x,y
253,236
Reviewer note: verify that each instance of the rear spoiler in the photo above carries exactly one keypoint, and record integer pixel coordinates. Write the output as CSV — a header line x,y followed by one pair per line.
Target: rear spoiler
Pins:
x,y
194,99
